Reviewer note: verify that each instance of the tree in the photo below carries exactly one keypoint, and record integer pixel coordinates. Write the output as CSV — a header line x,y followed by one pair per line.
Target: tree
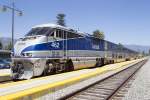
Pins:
x,y
9,46
1,45
120,46
98,34
61,19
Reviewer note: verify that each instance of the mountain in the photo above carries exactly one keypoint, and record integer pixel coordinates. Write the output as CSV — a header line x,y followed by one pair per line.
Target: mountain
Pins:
x,y
139,48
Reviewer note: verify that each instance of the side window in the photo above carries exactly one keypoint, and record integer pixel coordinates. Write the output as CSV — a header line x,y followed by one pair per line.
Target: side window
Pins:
x,y
59,33
65,34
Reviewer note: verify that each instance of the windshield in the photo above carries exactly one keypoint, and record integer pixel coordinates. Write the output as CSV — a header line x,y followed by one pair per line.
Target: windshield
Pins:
x,y
39,31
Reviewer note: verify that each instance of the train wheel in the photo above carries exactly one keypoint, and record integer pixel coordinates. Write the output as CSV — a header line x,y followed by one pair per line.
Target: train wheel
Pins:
x,y
103,61
69,66
49,69
98,63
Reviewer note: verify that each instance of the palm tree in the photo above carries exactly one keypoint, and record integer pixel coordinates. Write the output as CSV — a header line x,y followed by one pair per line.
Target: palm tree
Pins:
x,y
98,34
61,19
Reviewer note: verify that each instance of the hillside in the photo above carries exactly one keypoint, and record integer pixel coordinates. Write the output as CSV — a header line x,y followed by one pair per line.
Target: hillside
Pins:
x,y
138,48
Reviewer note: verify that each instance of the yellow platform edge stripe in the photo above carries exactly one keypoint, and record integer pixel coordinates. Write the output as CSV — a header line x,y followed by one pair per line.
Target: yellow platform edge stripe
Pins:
x,y
58,84
42,78
30,80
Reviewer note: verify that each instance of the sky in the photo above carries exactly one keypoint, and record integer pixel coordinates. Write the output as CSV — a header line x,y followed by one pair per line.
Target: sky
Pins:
x,y
122,21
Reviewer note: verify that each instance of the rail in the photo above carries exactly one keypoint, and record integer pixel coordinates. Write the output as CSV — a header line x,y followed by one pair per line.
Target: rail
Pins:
x,y
107,88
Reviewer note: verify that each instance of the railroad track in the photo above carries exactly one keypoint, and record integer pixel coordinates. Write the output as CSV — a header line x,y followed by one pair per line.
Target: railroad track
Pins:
x,y
113,87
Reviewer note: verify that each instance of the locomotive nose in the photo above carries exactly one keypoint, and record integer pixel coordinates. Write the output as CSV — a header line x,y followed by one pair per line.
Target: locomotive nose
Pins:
x,y
27,42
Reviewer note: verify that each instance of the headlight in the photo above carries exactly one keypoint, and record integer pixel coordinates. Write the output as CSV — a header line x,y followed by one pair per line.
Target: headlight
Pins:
x,y
27,54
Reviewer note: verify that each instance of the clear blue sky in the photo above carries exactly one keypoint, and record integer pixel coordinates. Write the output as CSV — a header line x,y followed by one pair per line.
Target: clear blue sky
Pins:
x,y
124,21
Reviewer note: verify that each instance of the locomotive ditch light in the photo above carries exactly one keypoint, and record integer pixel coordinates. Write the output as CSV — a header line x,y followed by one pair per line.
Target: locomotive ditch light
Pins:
x,y
29,54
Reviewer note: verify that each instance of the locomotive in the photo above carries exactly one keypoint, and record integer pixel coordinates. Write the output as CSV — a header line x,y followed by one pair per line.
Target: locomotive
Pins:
x,y
51,48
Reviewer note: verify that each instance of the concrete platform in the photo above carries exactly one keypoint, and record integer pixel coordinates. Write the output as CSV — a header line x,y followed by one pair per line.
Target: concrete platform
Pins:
x,y
4,75
45,86
140,88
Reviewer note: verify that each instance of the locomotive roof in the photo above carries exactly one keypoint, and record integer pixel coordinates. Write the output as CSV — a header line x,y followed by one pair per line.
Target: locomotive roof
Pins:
x,y
61,27
51,26
70,29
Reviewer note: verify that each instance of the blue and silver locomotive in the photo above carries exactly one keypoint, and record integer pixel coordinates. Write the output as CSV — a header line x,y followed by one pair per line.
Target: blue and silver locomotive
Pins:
x,y
51,48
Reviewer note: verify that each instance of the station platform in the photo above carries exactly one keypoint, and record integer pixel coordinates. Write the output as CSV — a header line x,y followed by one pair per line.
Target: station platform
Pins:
x,y
4,75
47,87
140,88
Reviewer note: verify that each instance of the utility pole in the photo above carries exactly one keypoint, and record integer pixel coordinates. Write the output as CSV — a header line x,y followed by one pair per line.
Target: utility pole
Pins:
x,y
13,10
12,27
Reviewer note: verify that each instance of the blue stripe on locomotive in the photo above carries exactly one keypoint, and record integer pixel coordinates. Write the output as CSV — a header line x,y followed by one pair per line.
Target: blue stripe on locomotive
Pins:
x,y
72,44
84,43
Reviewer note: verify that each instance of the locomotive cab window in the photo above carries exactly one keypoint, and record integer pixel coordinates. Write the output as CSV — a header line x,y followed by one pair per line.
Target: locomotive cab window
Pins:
x,y
39,31
59,34
52,34
55,34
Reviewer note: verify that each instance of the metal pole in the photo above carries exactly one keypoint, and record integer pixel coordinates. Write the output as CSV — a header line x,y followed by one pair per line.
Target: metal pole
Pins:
x,y
13,18
13,10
